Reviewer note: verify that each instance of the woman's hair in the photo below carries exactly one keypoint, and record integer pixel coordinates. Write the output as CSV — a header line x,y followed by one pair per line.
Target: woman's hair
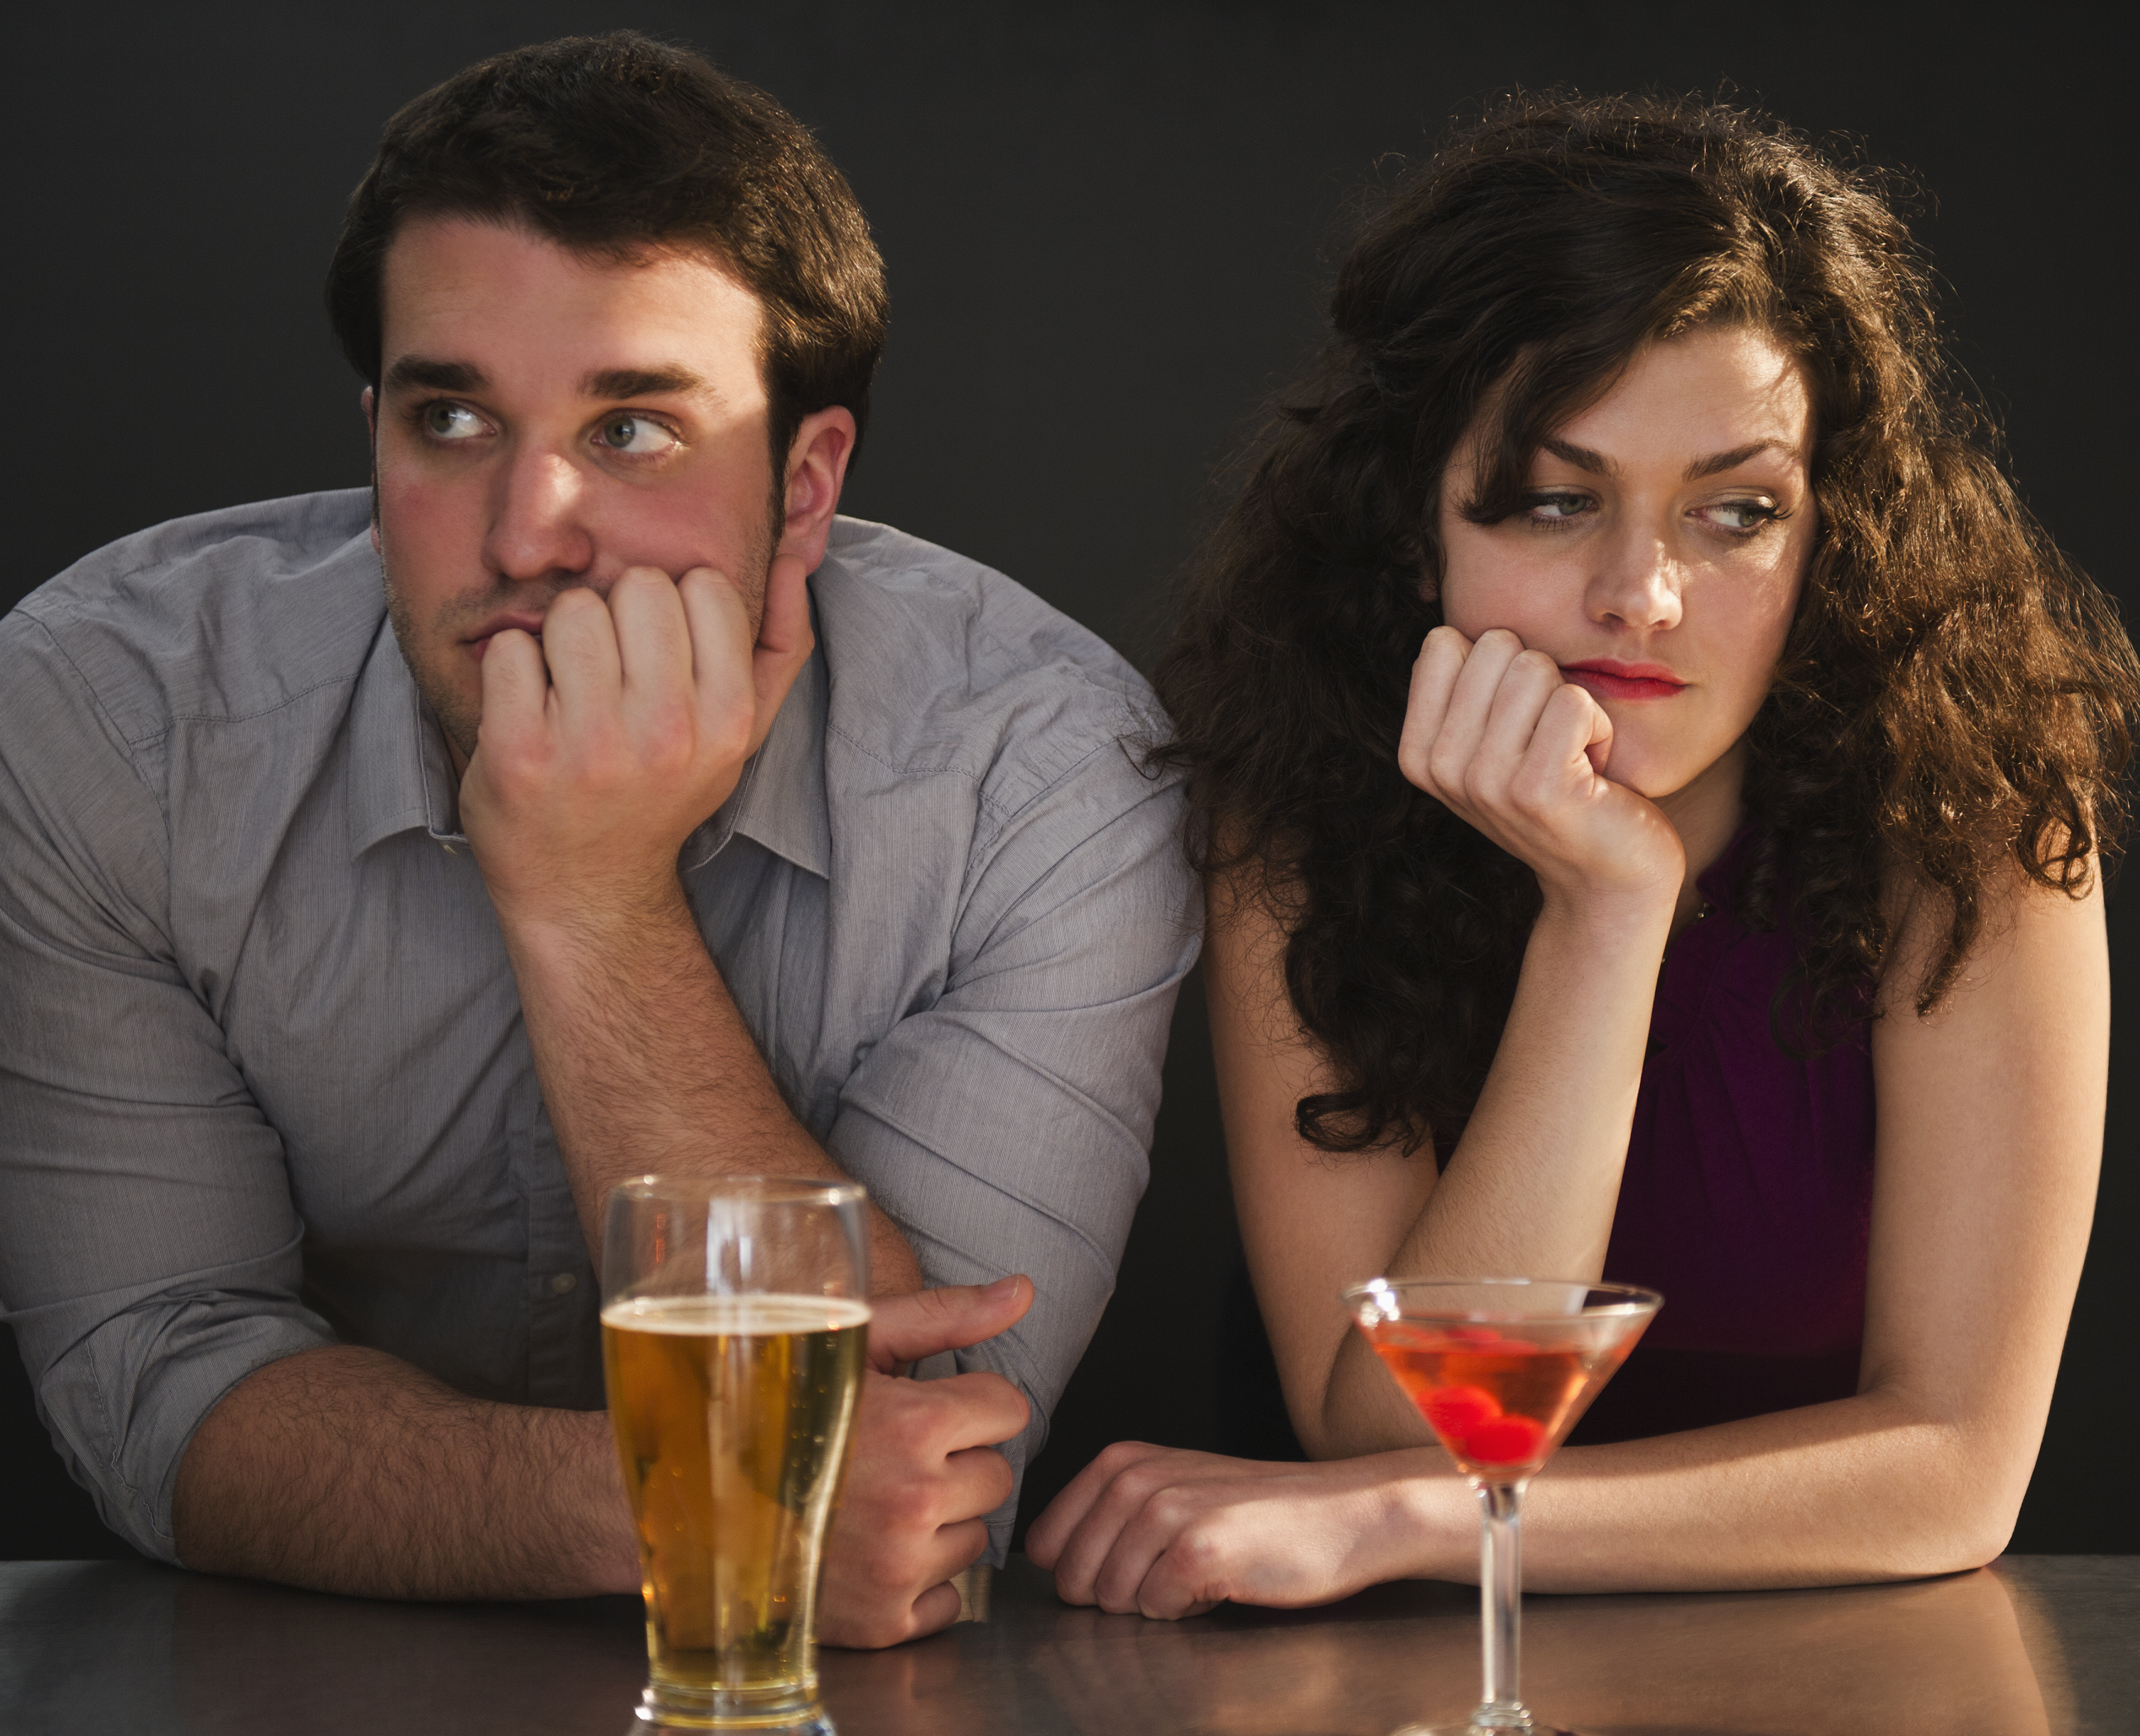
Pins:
x,y
1953,693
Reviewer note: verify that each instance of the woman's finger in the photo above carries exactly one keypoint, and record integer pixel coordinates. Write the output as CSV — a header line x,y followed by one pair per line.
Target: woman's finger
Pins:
x,y
1527,687
1434,673
1052,1533
1471,704
1146,1536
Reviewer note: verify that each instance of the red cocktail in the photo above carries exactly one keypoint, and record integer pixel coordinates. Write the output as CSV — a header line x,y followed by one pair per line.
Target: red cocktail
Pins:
x,y
1501,1368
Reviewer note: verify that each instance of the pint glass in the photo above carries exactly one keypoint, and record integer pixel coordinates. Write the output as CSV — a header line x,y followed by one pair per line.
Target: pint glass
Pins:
x,y
733,1328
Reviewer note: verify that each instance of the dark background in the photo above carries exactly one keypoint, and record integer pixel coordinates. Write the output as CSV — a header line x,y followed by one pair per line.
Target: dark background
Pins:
x,y
1107,228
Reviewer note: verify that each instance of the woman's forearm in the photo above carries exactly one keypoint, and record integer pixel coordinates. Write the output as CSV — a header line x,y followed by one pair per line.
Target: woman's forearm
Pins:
x,y
1532,1186
1533,1183
1869,1488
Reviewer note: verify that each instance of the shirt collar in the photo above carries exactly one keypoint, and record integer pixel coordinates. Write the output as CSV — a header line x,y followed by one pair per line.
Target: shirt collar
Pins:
x,y
400,777
780,802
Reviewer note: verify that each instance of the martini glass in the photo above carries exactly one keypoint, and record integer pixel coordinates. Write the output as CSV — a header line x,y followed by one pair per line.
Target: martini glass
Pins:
x,y
1501,1368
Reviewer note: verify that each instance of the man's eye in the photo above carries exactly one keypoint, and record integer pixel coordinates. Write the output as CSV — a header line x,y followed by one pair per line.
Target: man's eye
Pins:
x,y
636,434
451,422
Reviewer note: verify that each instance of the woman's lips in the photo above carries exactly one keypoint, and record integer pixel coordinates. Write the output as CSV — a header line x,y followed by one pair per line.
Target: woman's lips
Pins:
x,y
1610,680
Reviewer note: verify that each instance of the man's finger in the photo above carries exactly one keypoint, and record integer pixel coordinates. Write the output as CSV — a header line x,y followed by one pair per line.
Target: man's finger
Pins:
x,y
579,645
515,689
653,638
905,1329
783,631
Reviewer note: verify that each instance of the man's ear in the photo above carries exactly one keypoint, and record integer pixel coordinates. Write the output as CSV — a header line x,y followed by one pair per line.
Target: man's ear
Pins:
x,y
816,470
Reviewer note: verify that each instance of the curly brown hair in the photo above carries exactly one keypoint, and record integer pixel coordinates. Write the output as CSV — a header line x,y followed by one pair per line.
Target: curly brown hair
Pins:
x,y
1953,693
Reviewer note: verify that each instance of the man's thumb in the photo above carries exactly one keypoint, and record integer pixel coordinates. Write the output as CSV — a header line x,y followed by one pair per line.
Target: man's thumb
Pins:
x,y
905,1329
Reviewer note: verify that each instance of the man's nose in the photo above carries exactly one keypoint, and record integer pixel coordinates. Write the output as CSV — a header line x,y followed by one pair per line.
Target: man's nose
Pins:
x,y
538,524
1636,581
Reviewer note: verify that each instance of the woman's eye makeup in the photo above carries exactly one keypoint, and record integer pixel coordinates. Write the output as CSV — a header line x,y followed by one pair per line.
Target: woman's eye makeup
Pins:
x,y
637,435
1743,518
1560,508
1553,506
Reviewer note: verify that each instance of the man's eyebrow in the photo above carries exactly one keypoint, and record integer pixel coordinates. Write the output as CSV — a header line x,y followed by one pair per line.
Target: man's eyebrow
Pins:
x,y
423,372
1582,457
1718,462
640,382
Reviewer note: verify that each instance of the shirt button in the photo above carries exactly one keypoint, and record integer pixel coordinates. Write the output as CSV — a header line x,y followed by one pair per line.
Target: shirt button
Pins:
x,y
564,1284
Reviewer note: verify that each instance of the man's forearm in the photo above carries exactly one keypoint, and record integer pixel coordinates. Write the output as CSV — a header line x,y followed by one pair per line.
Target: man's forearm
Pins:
x,y
647,1066
345,1469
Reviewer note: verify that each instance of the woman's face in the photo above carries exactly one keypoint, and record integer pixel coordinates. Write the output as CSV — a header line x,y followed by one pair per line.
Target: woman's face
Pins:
x,y
1659,552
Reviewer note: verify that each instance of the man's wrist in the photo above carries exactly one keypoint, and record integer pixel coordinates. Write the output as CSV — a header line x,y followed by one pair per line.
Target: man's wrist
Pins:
x,y
575,919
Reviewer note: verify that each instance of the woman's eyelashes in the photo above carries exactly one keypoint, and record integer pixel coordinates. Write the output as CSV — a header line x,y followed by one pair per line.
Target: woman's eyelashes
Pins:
x,y
1558,509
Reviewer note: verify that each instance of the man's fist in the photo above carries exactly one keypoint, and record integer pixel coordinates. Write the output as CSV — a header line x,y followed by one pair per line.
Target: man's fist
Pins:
x,y
924,1473
604,744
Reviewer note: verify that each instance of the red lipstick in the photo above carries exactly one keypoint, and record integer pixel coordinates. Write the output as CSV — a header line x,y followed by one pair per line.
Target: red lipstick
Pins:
x,y
1607,678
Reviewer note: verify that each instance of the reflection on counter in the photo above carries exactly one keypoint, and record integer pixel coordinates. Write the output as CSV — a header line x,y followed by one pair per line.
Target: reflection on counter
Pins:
x,y
1942,1655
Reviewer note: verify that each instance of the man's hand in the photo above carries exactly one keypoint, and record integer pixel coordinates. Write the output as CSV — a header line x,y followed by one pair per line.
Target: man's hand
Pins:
x,y
924,1474
605,744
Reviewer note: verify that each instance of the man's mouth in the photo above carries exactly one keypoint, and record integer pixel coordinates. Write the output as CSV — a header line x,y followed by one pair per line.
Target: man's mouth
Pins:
x,y
1607,678
479,642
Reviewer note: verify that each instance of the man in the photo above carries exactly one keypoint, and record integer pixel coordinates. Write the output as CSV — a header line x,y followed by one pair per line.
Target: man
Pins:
x,y
383,878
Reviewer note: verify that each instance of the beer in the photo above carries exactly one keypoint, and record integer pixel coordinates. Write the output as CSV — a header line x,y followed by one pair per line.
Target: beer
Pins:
x,y
732,1416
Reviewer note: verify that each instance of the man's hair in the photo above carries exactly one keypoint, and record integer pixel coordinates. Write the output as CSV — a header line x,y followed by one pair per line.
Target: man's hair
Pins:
x,y
620,146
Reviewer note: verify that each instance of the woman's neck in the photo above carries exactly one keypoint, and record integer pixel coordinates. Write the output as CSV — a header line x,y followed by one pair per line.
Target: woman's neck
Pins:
x,y
1707,815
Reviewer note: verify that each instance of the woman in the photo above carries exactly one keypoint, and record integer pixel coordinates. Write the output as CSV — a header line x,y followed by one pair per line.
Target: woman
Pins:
x,y
1653,777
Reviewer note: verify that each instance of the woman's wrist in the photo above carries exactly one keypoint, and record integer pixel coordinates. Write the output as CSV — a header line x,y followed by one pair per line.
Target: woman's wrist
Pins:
x,y
1425,1522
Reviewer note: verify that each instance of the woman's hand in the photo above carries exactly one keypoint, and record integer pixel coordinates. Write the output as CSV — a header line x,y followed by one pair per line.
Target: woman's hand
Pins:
x,y
1159,1531
1495,733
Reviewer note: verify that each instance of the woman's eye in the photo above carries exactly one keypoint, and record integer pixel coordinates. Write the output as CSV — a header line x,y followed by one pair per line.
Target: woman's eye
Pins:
x,y
451,422
1743,518
636,434
1555,508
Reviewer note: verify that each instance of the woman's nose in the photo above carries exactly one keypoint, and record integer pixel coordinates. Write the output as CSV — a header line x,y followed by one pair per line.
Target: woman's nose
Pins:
x,y
1638,581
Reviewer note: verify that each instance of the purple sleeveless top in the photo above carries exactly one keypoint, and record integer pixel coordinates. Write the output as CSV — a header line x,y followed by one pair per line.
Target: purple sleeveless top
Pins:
x,y
1747,1195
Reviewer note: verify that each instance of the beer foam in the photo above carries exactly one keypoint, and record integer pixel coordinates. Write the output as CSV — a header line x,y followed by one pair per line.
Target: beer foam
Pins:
x,y
735,1316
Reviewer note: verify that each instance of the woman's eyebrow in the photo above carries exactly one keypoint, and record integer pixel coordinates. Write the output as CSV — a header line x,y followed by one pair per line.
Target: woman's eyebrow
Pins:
x,y
1582,457
1722,461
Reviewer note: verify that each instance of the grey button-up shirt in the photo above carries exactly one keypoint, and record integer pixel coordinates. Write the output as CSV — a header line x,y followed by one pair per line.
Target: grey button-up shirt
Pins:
x,y
264,1083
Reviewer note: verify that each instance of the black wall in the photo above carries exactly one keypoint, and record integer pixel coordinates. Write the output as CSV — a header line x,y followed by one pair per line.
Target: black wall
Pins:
x,y
1107,228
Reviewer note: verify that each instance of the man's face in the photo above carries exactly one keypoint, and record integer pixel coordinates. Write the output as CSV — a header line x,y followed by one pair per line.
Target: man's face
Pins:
x,y
545,421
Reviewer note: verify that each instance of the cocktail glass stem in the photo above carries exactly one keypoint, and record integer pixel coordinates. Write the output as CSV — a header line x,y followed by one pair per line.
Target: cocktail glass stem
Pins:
x,y
1500,1608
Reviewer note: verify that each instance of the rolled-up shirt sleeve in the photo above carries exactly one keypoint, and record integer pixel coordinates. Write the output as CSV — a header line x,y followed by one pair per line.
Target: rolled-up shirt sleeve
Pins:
x,y
149,1247
1006,1126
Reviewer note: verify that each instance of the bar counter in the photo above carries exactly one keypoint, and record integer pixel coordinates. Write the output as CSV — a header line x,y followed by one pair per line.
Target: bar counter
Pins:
x,y
2033,1644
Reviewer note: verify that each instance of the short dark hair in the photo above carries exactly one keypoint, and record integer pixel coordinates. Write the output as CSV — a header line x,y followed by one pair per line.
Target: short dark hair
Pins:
x,y
617,144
